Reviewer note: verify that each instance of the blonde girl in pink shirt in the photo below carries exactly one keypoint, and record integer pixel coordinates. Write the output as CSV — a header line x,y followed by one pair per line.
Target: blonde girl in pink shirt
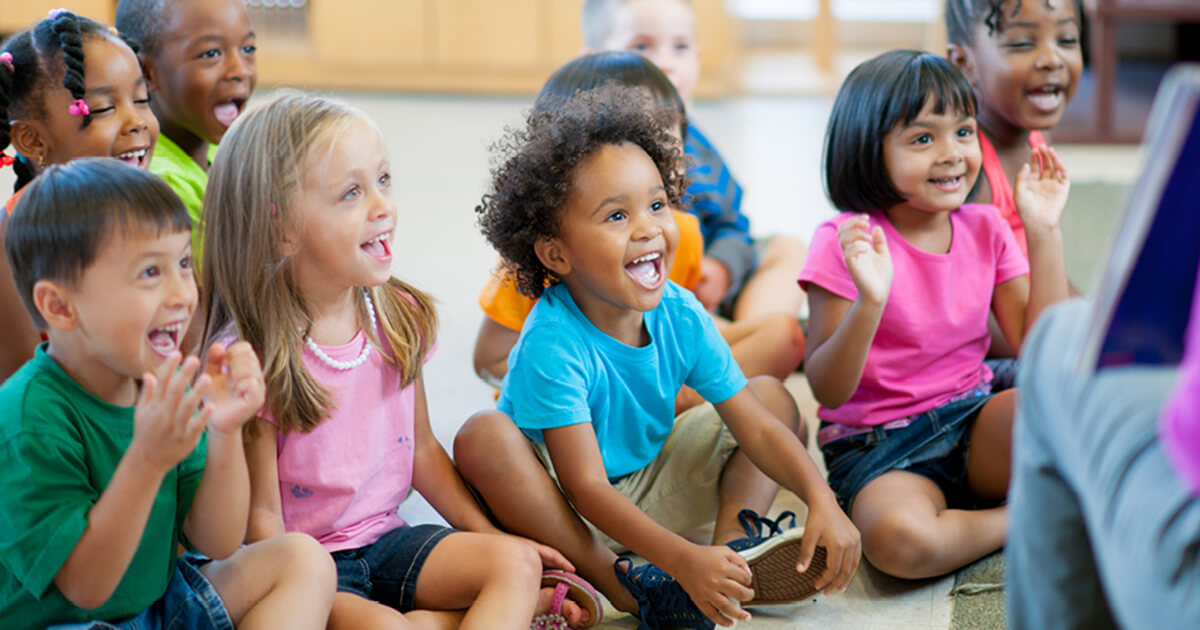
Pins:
x,y
900,286
297,261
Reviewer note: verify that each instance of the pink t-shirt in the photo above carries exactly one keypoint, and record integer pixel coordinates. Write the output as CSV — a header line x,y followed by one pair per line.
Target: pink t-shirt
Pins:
x,y
933,336
343,482
1180,429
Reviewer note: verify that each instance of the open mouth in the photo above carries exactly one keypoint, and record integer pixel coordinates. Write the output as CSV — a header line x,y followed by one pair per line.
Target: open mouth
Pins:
x,y
165,340
379,248
647,271
947,184
135,157
228,111
1047,98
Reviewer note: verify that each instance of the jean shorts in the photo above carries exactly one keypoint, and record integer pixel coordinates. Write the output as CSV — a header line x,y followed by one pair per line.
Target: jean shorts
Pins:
x,y
934,445
190,603
386,570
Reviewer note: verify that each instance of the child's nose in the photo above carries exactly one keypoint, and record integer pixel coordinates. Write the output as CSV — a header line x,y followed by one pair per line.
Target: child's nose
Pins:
x,y
135,121
183,292
236,67
1049,58
645,227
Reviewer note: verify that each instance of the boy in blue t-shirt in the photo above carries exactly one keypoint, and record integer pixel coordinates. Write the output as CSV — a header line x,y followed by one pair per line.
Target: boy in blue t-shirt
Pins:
x,y
580,211
111,455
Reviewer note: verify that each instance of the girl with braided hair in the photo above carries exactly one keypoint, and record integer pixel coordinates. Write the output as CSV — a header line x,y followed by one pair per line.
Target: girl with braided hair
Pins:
x,y
69,87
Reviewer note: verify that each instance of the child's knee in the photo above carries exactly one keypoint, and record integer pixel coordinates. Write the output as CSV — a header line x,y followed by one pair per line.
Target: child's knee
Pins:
x,y
787,335
771,393
899,544
301,557
786,252
485,437
516,561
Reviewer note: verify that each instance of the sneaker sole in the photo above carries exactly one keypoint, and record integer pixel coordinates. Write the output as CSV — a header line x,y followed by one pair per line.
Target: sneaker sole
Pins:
x,y
773,565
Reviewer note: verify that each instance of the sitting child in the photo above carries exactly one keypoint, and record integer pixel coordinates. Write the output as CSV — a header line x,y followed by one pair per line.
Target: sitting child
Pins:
x,y
69,88
302,190
199,60
110,454
900,286
580,211
734,281
771,344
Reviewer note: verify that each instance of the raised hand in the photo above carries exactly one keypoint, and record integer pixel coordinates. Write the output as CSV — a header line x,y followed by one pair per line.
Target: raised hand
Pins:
x,y
237,391
1041,189
867,258
166,424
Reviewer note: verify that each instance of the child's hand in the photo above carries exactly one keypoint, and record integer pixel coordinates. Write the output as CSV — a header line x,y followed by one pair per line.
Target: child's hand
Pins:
x,y
714,282
237,390
867,258
1041,190
551,557
716,578
166,426
827,526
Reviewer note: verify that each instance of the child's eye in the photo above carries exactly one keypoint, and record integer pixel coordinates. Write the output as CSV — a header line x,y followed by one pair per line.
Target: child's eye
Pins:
x,y
619,215
1021,44
923,139
965,132
211,53
1068,41
657,205
639,47
150,272
385,180
186,262
353,193
250,50
145,100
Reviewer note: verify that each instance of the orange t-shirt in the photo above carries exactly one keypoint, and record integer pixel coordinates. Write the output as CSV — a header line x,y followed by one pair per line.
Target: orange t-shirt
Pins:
x,y
12,202
502,302
1002,190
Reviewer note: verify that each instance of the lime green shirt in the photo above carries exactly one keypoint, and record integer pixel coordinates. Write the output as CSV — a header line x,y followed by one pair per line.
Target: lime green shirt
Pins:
x,y
59,447
188,181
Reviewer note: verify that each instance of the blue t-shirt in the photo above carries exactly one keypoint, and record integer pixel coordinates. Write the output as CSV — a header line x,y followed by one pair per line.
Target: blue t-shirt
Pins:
x,y
565,371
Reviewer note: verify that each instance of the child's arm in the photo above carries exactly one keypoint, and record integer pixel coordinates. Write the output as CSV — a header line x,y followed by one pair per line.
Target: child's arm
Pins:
x,y
492,345
781,456
216,522
1041,196
839,331
266,506
166,429
709,575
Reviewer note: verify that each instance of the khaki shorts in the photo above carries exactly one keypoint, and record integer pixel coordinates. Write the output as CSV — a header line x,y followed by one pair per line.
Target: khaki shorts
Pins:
x,y
680,488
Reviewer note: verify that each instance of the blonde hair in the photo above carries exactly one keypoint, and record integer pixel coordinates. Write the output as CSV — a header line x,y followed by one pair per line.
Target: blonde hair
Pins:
x,y
249,283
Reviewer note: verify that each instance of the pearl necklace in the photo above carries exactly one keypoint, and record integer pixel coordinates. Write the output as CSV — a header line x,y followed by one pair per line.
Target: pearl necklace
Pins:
x,y
362,356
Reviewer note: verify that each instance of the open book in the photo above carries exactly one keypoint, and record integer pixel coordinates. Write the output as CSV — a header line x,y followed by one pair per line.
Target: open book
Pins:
x,y
1145,295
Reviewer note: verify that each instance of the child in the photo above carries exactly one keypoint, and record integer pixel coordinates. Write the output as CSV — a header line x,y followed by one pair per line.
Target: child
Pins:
x,y
913,437
105,477
771,344
69,88
301,191
1024,59
733,281
199,60
579,210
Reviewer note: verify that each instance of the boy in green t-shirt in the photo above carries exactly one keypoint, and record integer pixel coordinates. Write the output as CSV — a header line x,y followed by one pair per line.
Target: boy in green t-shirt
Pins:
x,y
111,454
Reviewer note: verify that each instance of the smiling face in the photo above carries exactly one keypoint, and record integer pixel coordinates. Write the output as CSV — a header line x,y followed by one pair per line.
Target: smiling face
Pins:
x,y
345,213
618,236
122,125
933,161
663,31
203,70
132,304
1028,70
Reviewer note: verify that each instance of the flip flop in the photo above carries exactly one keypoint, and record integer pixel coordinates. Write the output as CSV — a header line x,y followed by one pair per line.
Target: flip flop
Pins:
x,y
568,584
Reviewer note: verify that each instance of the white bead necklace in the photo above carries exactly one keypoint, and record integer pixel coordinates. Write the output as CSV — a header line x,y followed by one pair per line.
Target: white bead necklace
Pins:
x,y
362,356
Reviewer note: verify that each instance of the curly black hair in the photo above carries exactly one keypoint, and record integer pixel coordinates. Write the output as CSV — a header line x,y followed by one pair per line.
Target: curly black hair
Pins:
x,y
963,15
51,49
532,182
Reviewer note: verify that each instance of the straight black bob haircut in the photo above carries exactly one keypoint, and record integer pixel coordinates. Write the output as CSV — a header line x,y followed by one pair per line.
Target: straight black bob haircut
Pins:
x,y
880,94
621,67
70,211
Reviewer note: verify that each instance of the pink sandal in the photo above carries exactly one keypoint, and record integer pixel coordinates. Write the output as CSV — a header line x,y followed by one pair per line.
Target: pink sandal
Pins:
x,y
579,590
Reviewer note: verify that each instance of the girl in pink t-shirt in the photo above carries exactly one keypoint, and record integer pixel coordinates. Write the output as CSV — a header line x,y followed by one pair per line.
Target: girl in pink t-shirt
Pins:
x,y
900,289
297,261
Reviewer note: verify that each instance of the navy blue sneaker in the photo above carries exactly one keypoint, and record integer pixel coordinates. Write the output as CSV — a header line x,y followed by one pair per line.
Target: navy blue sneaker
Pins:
x,y
662,602
772,553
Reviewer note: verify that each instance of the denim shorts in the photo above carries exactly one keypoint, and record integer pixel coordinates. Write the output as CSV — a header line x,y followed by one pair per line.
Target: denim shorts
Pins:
x,y
934,445
190,602
386,570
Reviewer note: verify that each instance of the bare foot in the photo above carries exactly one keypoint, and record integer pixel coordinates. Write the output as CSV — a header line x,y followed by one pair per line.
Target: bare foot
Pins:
x,y
575,614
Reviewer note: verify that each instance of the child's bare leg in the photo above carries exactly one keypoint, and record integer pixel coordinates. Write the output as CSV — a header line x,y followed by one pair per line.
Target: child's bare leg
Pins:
x,y
353,612
286,581
908,532
989,465
771,345
496,459
743,485
772,288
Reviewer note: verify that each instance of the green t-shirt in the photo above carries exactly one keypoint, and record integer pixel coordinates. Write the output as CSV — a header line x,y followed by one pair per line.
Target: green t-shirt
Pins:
x,y
59,447
188,181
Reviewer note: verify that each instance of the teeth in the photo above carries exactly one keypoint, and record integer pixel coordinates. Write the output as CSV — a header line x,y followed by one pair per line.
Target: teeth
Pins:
x,y
646,258
172,328
382,238
138,154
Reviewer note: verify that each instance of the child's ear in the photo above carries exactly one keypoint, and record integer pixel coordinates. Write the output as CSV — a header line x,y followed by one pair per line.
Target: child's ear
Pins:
x,y
550,252
960,57
27,139
150,71
54,303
